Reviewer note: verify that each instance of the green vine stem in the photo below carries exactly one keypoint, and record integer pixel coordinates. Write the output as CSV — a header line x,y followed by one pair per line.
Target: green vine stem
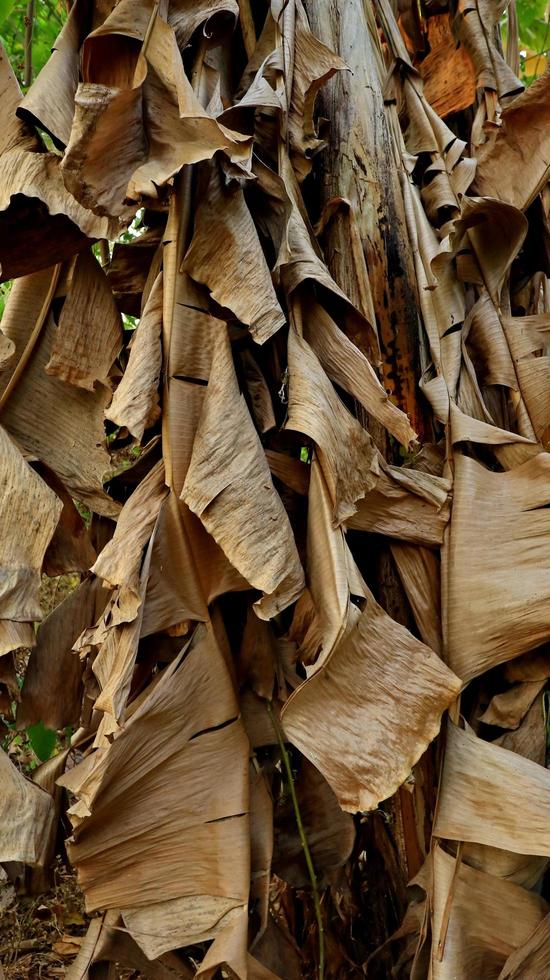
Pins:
x,y
302,834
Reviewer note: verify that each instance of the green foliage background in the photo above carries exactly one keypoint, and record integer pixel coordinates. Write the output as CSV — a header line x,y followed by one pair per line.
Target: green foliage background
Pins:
x,y
49,17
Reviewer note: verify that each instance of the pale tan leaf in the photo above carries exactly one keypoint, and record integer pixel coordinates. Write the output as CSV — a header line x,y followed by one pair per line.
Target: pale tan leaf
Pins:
x,y
508,709
70,439
333,579
313,65
29,512
26,813
532,958
346,451
489,919
7,351
242,282
49,102
420,573
14,133
473,25
513,162
492,796
180,586
184,738
89,333
148,94
135,402
529,740
119,564
14,635
399,506
26,175
492,614
346,365
346,720
228,474
107,942
522,869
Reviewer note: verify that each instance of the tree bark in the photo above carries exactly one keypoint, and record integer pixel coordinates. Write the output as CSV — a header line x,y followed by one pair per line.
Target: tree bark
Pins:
x,y
359,165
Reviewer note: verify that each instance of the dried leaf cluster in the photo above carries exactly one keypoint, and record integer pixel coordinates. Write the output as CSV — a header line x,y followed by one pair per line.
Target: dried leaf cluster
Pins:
x,y
236,675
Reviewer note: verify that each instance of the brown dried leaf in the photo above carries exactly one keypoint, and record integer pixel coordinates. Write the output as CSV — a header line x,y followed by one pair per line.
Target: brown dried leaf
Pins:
x,y
508,709
147,94
89,333
492,796
70,439
532,958
491,615
228,474
313,65
183,738
52,689
346,719
346,451
512,164
135,403
26,813
29,512
489,919
242,282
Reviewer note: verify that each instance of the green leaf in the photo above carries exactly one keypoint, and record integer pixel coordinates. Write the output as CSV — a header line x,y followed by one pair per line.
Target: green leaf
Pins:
x,y
6,7
43,741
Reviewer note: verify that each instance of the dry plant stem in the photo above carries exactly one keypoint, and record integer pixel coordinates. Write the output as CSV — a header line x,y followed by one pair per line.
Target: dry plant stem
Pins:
x,y
303,839
29,28
23,360
512,49
448,905
247,27
180,204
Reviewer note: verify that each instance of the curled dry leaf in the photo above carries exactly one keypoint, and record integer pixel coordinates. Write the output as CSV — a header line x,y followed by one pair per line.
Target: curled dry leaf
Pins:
x,y
70,439
228,471
106,941
242,283
26,502
146,92
512,164
492,796
135,403
532,957
26,815
52,691
507,710
492,617
346,451
179,737
313,65
89,332
477,920
259,354
345,720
